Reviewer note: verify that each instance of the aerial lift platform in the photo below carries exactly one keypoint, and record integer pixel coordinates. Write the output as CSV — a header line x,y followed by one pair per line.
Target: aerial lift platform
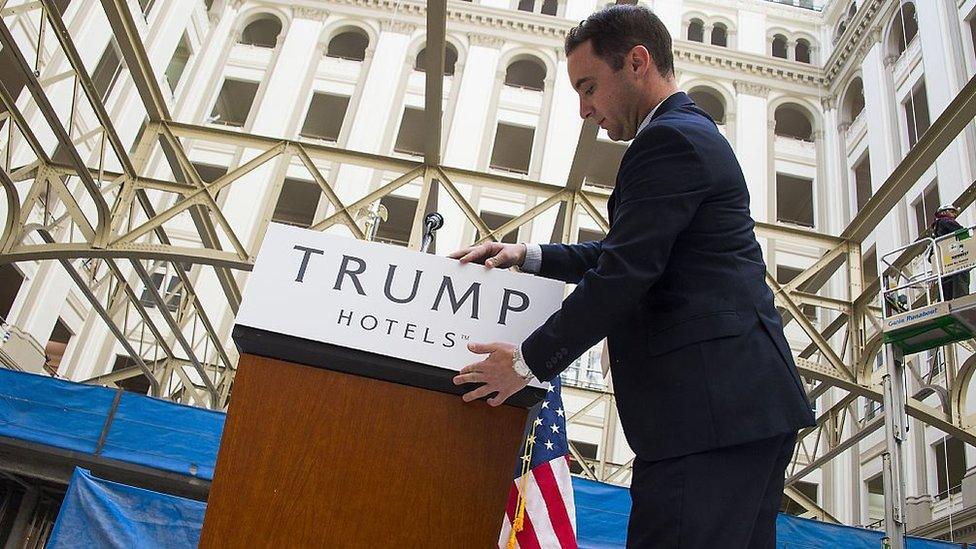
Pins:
x,y
918,316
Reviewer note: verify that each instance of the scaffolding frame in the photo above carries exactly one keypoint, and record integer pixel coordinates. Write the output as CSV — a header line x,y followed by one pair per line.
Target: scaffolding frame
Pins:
x,y
105,230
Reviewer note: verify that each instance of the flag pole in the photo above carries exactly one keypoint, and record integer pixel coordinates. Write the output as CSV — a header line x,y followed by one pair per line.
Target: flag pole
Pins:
x,y
519,519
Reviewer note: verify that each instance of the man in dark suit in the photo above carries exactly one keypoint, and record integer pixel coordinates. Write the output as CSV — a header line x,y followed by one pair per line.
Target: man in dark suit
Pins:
x,y
708,394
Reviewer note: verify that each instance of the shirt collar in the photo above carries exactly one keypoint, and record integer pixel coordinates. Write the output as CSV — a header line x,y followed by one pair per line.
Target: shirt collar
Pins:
x,y
650,115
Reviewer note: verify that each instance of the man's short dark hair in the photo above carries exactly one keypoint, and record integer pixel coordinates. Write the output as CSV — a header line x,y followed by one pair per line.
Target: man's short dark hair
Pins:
x,y
616,29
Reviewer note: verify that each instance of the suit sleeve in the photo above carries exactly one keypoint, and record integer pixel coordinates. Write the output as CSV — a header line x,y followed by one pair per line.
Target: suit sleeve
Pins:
x,y
569,262
660,188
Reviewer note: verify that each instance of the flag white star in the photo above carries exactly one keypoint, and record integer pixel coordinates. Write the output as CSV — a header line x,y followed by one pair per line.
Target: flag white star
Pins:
x,y
531,439
555,428
559,412
551,388
549,445
545,404
538,421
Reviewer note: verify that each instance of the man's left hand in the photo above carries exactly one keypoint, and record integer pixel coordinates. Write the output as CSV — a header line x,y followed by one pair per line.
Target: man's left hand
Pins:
x,y
495,372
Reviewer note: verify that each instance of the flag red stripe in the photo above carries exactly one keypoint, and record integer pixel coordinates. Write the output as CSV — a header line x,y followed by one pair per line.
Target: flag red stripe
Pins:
x,y
526,538
558,515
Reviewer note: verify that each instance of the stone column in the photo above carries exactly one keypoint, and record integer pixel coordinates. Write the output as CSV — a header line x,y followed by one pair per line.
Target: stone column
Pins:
x,y
752,145
378,105
918,511
945,75
752,32
475,93
880,106
563,131
195,101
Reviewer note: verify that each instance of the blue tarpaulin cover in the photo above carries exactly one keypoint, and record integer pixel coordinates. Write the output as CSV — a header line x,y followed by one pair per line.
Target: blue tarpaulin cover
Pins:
x,y
182,439
146,431
109,515
602,512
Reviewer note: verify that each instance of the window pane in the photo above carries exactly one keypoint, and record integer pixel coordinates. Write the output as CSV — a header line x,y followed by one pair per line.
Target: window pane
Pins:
x,y
794,200
601,170
107,70
862,181
178,63
400,213
512,149
325,115
234,102
297,202
10,282
411,137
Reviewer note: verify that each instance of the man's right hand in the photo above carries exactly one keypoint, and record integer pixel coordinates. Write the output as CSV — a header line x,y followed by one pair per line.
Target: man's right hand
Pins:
x,y
492,254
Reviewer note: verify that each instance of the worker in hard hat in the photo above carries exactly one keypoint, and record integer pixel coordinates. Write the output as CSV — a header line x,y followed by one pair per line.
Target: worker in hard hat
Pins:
x,y
955,285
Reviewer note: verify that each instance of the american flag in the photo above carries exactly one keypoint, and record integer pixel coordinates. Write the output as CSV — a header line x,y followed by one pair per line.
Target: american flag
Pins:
x,y
548,515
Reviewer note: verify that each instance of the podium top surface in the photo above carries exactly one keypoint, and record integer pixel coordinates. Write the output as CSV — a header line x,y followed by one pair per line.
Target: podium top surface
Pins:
x,y
336,296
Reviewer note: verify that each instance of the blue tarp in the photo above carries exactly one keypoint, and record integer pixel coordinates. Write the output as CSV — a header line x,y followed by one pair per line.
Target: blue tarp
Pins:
x,y
602,512
146,431
104,514
182,439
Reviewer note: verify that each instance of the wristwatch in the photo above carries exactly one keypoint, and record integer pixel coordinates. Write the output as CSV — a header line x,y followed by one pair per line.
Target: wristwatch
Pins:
x,y
519,365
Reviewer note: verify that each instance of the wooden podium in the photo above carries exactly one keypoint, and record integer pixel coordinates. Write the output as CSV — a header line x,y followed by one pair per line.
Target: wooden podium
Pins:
x,y
316,457
345,428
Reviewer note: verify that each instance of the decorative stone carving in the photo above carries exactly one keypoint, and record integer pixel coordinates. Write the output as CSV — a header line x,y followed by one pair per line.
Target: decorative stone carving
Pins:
x,y
828,102
751,88
486,40
314,14
843,127
874,36
400,27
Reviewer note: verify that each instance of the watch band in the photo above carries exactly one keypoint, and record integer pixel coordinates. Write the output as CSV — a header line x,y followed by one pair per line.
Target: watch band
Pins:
x,y
519,365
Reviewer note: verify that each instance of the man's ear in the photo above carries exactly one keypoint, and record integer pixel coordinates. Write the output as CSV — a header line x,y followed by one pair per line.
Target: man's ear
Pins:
x,y
639,59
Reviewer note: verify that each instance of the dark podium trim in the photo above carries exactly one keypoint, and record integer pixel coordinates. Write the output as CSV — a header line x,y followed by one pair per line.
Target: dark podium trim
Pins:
x,y
362,363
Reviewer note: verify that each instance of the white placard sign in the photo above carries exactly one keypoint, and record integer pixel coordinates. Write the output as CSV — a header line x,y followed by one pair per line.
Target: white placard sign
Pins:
x,y
389,300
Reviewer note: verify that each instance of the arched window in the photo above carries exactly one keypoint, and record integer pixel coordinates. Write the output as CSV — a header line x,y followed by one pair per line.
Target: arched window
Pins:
x,y
779,46
852,10
350,44
793,121
529,73
841,28
853,100
709,101
261,32
549,7
720,35
450,60
904,28
696,30
802,51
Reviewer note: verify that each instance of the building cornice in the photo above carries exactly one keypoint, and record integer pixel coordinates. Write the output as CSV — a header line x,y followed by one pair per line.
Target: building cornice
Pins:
x,y
857,40
963,524
771,68
493,26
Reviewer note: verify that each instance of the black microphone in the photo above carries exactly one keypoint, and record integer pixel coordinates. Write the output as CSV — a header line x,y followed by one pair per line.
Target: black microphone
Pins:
x,y
432,222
